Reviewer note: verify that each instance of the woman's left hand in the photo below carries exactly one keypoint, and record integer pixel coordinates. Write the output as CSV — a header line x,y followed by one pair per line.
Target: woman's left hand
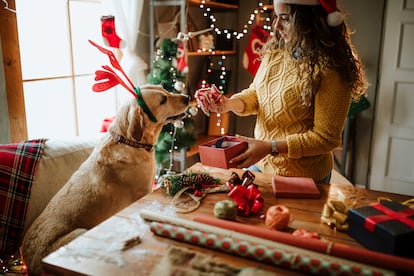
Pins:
x,y
256,150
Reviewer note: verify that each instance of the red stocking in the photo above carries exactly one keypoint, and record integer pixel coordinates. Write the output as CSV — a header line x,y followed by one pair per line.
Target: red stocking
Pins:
x,y
182,59
251,60
109,32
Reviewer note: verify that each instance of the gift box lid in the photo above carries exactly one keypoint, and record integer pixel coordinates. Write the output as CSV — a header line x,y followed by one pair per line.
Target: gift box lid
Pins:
x,y
387,227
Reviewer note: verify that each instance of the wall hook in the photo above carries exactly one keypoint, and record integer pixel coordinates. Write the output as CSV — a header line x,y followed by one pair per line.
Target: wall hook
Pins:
x,y
6,7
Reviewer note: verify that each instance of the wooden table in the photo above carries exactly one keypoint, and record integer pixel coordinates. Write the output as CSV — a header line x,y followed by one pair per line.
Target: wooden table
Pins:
x,y
99,251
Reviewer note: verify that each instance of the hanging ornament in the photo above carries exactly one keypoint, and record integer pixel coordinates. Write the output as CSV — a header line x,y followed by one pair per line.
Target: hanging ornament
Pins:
x,y
179,124
193,110
179,86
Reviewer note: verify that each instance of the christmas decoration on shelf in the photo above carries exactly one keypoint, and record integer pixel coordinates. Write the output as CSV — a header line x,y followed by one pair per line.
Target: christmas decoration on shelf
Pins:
x,y
169,70
109,34
251,59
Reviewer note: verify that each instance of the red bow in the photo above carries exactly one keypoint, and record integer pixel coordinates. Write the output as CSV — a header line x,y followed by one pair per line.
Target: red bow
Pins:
x,y
248,199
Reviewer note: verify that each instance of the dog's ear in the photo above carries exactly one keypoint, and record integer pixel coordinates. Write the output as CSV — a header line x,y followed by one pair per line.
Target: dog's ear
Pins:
x,y
129,121
136,122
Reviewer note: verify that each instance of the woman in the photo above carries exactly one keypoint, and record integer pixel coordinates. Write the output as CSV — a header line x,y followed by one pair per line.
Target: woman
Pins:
x,y
301,93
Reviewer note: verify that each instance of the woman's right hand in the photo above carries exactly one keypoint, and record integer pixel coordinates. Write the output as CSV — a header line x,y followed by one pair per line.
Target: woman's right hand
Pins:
x,y
225,104
221,105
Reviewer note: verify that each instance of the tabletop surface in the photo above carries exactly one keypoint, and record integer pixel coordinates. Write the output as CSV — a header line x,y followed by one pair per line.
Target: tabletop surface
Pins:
x,y
101,250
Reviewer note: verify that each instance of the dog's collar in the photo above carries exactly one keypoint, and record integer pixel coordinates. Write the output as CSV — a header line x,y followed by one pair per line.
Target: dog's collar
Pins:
x,y
121,139
144,106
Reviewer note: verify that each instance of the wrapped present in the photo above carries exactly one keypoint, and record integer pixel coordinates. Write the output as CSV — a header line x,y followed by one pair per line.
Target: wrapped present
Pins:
x,y
386,227
204,96
218,152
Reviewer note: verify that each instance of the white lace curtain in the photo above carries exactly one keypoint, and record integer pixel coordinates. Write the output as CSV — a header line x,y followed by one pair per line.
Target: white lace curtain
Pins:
x,y
128,15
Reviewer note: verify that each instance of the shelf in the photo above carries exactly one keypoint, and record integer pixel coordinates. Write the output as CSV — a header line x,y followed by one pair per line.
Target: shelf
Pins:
x,y
212,53
215,5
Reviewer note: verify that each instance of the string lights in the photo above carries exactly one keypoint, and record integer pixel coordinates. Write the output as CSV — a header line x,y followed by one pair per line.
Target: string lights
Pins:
x,y
259,12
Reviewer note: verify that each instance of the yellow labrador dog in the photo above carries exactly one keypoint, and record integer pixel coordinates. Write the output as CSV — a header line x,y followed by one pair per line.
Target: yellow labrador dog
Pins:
x,y
120,170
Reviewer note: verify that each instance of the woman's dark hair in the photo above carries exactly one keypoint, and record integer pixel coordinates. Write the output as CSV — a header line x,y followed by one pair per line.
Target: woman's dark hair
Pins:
x,y
322,46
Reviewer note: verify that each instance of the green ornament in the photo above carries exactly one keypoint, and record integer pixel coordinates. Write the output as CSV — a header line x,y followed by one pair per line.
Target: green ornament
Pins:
x,y
225,209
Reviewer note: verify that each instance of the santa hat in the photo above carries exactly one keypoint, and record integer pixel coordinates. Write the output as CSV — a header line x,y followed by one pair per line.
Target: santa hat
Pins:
x,y
335,18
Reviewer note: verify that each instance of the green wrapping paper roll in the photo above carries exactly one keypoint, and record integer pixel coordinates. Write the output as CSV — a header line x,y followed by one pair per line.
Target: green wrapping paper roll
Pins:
x,y
261,252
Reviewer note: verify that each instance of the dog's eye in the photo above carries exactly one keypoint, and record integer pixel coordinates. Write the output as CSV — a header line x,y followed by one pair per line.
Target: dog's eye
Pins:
x,y
163,99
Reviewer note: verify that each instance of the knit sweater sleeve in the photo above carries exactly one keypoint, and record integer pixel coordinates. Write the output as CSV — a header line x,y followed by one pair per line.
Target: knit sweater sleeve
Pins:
x,y
331,106
249,95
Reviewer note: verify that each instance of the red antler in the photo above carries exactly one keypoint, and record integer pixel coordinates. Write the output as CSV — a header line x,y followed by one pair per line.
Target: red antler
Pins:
x,y
108,78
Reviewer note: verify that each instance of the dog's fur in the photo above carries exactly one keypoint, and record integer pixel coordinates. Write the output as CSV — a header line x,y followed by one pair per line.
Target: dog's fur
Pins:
x,y
114,176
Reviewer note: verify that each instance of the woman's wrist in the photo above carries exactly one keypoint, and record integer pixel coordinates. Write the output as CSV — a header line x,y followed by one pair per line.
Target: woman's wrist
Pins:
x,y
236,105
273,148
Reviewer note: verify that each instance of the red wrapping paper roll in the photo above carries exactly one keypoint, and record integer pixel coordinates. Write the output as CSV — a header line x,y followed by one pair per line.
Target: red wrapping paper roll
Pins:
x,y
362,255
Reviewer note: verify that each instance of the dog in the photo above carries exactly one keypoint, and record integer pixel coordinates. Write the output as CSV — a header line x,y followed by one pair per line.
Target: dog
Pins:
x,y
120,170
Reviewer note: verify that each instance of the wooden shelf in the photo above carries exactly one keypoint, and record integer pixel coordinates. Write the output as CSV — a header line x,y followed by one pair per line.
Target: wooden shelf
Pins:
x,y
215,5
212,53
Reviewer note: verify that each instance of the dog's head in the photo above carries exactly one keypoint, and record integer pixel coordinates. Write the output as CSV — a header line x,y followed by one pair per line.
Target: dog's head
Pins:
x,y
133,119
165,106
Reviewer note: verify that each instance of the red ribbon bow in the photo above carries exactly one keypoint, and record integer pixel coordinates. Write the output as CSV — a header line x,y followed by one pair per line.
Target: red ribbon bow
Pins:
x,y
248,199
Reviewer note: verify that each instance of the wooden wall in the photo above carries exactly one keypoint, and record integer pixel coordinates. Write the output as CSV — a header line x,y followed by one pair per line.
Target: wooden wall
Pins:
x,y
12,84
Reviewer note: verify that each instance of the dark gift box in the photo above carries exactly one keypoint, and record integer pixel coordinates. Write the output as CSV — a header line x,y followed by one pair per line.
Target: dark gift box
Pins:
x,y
386,227
218,152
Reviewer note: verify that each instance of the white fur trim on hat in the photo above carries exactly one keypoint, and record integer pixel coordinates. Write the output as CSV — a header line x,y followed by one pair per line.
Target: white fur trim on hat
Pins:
x,y
335,19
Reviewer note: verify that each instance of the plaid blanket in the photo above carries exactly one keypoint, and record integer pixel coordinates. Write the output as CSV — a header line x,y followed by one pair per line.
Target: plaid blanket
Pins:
x,y
18,163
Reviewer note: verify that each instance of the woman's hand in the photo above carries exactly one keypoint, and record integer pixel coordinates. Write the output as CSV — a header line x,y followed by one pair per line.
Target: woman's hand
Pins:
x,y
256,150
220,106
224,104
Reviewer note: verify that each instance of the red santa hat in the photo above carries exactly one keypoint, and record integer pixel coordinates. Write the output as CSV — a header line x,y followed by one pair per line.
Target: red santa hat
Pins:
x,y
335,18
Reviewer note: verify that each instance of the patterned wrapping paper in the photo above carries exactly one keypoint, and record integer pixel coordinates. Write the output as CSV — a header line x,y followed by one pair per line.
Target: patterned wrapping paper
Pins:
x,y
277,256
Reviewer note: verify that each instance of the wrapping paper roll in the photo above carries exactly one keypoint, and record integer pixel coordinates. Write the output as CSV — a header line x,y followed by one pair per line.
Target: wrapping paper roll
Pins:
x,y
251,247
386,261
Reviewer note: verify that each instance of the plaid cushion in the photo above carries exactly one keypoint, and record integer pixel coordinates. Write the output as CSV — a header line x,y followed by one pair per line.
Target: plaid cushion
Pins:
x,y
18,163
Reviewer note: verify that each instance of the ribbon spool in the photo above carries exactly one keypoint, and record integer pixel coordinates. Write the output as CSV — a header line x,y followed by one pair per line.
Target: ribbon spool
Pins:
x,y
277,217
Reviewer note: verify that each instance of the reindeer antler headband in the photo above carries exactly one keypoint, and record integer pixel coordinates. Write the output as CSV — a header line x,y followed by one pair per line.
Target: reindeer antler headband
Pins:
x,y
108,78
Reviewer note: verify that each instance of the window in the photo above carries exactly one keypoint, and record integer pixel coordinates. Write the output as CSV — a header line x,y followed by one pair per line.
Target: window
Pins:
x,y
58,66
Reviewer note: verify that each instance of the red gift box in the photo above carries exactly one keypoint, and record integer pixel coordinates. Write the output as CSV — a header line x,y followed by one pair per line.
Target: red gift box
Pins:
x,y
218,152
386,227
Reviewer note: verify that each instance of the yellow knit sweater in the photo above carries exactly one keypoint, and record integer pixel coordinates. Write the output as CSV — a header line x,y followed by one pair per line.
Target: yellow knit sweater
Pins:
x,y
312,132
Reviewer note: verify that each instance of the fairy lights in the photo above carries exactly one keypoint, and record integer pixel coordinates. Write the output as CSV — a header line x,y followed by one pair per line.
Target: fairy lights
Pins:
x,y
260,15
260,12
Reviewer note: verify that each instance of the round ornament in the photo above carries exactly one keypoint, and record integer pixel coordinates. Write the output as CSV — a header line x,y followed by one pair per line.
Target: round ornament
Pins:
x,y
193,110
179,124
225,209
179,86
